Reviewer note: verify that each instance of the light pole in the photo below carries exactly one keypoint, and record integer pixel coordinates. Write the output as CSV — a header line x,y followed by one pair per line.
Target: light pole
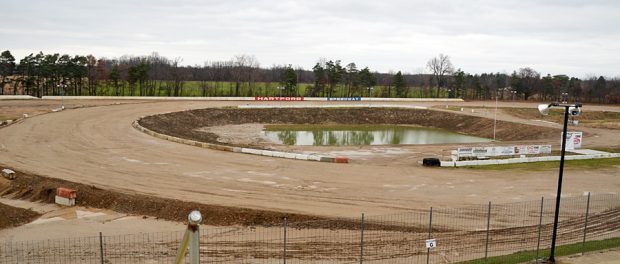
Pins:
x,y
62,86
495,115
574,110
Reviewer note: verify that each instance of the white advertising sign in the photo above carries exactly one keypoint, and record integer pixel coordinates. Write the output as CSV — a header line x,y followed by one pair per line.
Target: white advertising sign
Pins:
x,y
503,150
573,140
431,243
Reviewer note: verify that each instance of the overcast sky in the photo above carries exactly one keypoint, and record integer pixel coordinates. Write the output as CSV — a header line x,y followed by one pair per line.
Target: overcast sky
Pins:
x,y
578,38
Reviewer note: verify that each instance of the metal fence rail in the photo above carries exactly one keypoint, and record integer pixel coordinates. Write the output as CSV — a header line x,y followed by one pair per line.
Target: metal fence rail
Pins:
x,y
462,234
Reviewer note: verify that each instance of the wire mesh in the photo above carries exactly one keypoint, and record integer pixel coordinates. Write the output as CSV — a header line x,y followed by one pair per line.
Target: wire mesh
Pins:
x,y
461,234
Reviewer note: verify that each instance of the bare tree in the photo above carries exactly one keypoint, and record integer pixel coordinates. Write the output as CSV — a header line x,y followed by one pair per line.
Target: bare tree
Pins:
x,y
440,66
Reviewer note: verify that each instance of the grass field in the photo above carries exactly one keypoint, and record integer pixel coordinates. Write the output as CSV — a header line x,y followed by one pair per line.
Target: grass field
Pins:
x,y
551,165
195,88
6,117
565,250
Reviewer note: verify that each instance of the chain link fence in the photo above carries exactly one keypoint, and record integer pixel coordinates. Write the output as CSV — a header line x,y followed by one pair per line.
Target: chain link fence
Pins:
x,y
461,235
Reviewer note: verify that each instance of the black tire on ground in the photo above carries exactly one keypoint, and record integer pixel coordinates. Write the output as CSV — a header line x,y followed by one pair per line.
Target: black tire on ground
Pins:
x,y
431,162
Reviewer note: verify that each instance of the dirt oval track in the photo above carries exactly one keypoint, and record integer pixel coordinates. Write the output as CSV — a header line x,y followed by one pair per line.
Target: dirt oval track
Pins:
x,y
98,146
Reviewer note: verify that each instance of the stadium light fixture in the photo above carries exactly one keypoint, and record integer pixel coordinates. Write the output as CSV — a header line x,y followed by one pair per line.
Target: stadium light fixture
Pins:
x,y
569,109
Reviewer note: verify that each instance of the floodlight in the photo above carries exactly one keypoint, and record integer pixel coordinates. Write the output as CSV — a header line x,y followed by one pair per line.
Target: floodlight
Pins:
x,y
574,111
544,109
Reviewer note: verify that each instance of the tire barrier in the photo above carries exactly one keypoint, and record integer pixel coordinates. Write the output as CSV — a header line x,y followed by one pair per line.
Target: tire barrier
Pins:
x,y
260,152
431,162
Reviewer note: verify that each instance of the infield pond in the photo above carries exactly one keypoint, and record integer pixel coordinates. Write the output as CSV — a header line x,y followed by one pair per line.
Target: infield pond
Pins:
x,y
347,135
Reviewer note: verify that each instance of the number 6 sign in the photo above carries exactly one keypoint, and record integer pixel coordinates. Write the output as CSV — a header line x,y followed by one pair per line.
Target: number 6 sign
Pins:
x,y
431,243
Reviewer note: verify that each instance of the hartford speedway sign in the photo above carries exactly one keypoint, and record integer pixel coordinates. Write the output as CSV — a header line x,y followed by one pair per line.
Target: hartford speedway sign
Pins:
x,y
502,151
354,98
278,98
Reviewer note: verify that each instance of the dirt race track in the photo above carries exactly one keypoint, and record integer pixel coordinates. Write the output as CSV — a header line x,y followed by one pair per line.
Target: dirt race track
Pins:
x,y
97,145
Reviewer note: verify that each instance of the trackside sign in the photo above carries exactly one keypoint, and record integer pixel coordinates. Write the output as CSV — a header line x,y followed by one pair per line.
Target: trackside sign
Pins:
x,y
573,140
278,98
354,98
502,151
431,243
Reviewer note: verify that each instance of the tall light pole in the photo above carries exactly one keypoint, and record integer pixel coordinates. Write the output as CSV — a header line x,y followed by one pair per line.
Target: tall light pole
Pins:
x,y
495,115
62,86
574,110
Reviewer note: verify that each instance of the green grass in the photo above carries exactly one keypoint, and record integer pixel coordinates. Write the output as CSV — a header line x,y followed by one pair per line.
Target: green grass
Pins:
x,y
5,117
609,149
549,165
193,88
451,108
565,250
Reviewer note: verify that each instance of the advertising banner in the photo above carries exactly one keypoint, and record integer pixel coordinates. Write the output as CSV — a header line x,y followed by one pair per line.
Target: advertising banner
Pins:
x,y
278,98
573,140
354,98
503,151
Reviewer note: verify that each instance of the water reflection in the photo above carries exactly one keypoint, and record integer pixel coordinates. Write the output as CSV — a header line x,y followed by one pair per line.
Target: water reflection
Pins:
x,y
365,135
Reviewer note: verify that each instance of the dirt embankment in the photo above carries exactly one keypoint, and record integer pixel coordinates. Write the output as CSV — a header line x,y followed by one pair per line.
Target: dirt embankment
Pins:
x,y
13,216
32,187
186,124
594,119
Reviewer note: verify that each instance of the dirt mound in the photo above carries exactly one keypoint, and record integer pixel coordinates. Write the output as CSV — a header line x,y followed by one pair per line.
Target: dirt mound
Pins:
x,y
13,216
37,188
185,124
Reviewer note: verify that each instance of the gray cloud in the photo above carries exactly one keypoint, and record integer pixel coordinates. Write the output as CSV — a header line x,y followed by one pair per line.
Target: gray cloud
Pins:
x,y
572,37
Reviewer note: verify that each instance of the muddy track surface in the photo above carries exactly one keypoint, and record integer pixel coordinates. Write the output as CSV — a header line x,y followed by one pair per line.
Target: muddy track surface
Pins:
x,y
98,147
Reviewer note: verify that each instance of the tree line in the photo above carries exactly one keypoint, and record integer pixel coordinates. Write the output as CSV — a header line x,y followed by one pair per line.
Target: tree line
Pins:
x,y
242,75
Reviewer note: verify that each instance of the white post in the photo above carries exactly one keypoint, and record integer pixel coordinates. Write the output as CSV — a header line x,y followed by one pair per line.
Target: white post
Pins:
x,y
191,238
194,237
495,117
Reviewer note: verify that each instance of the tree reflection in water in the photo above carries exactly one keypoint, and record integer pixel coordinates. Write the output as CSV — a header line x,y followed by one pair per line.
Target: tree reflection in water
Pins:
x,y
321,135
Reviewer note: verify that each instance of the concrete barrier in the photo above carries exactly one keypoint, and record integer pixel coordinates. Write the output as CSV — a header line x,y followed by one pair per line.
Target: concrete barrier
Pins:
x,y
18,97
164,98
331,106
340,159
526,160
261,152
64,201
301,156
446,163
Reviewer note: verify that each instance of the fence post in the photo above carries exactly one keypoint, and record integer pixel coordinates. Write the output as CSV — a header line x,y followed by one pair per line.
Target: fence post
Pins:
x,y
362,240
191,239
542,201
486,246
585,227
101,247
430,233
285,226
194,237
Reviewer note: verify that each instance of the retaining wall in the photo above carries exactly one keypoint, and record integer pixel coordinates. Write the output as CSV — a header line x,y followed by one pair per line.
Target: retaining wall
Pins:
x,y
526,160
260,152
372,99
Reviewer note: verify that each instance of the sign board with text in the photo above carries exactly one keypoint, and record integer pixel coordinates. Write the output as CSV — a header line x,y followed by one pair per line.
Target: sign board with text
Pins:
x,y
495,151
278,98
573,140
431,243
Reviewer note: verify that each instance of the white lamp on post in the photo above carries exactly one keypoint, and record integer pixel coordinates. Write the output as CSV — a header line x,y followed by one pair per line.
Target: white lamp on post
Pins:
x,y
573,110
